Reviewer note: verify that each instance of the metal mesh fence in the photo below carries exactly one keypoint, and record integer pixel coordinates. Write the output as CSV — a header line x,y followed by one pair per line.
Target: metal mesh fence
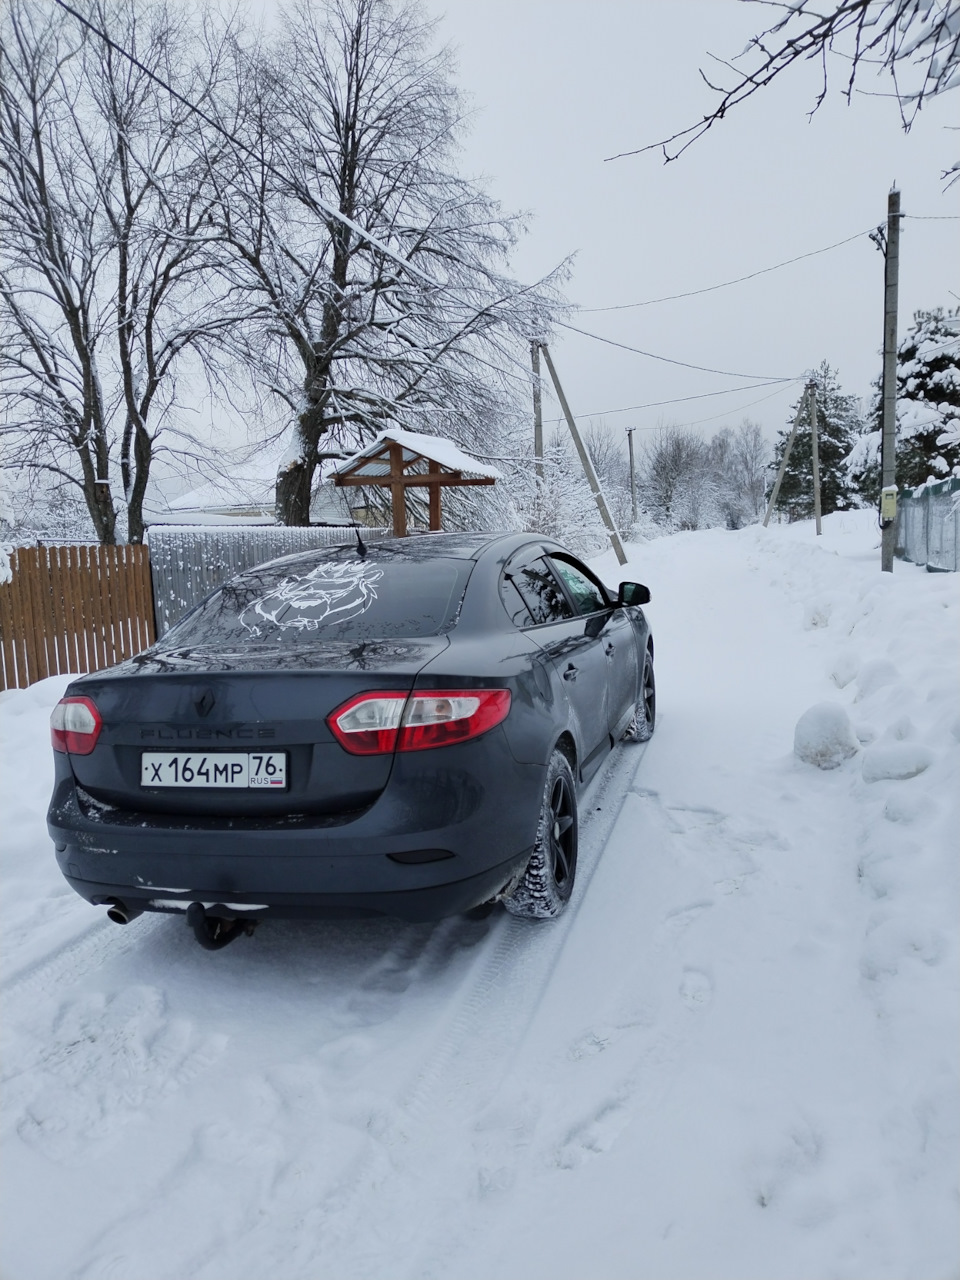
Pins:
x,y
189,561
928,525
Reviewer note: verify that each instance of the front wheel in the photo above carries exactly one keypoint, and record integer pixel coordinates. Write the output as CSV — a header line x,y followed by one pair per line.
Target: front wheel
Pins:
x,y
545,887
641,727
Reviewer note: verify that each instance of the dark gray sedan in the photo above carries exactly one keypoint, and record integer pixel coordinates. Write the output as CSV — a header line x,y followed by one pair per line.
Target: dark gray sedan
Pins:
x,y
401,729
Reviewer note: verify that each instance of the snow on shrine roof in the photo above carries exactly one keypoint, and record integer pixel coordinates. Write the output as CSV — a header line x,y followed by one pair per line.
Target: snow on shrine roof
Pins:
x,y
437,448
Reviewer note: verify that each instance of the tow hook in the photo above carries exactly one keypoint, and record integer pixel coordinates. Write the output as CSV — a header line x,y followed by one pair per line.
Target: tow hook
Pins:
x,y
214,932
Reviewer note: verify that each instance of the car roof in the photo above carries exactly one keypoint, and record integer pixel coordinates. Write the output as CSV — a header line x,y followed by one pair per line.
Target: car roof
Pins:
x,y
418,547
461,546
494,548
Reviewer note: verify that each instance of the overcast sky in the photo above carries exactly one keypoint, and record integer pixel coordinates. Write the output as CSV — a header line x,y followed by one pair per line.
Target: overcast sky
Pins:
x,y
557,85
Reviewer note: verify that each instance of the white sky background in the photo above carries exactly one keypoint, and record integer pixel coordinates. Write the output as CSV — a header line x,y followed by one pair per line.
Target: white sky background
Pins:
x,y
557,85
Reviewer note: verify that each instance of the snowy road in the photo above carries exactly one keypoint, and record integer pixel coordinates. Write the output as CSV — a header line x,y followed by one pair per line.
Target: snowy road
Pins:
x,y
733,1058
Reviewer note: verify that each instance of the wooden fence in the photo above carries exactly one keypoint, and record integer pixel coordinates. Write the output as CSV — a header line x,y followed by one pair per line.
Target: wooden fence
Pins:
x,y
73,609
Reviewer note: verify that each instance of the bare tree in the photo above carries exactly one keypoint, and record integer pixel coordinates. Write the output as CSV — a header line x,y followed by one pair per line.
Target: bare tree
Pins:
x,y
915,42
748,469
351,102
677,480
738,460
104,211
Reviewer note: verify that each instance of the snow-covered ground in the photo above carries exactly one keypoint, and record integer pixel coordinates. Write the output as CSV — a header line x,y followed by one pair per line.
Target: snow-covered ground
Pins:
x,y
734,1058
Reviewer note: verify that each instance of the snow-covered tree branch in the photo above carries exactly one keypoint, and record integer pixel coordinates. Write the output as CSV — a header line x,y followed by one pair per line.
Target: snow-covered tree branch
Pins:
x,y
107,291
351,102
914,45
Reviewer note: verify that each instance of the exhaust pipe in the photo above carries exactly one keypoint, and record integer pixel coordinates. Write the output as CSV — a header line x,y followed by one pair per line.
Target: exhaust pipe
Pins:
x,y
123,912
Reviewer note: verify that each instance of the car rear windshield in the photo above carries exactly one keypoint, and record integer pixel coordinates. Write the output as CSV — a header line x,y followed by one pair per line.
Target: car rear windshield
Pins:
x,y
338,595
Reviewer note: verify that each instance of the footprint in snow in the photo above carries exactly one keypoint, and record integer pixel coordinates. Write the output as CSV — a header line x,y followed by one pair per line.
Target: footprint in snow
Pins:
x,y
105,1061
595,1136
696,989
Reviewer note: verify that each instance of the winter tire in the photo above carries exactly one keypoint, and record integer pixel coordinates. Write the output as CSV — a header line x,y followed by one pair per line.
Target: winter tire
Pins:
x,y
641,727
545,887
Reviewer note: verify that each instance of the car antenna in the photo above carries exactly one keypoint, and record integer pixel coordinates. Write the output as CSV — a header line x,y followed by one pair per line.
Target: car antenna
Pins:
x,y
361,547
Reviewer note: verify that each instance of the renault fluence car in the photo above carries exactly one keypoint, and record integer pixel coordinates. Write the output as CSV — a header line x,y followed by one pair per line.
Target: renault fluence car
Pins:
x,y
401,729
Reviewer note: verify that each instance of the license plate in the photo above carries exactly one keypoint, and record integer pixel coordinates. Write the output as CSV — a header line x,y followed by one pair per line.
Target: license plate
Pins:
x,y
238,769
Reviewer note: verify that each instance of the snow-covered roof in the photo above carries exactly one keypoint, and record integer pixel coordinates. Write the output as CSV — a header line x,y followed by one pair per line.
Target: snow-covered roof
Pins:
x,y
223,495
438,449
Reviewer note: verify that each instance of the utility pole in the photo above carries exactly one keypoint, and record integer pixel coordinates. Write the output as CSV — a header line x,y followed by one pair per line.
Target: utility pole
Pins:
x,y
585,460
633,475
537,407
783,462
815,449
891,282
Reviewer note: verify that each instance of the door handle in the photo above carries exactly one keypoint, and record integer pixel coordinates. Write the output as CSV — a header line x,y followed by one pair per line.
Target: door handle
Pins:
x,y
570,673
610,650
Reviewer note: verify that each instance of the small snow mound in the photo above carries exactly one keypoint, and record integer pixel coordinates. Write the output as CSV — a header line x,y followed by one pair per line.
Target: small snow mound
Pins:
x,y
895,760
816,614
901,729
824,736
873,676
844,669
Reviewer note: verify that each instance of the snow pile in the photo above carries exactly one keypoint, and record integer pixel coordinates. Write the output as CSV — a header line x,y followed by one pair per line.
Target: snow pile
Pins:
x,y
824,736
735,1056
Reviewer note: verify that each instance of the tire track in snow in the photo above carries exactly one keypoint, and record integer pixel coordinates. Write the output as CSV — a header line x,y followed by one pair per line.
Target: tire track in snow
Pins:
x,y
495,1008
322,1217
100,941
540,952
454,1076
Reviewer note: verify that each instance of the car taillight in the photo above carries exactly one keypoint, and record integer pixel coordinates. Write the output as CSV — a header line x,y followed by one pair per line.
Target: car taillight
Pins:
x,y
374,724
75,726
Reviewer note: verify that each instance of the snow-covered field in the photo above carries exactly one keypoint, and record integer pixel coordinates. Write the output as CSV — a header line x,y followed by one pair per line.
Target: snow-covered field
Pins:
x,y
734,1058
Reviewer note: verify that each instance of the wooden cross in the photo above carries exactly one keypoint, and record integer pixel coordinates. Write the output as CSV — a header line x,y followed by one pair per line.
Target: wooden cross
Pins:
x,y
398,479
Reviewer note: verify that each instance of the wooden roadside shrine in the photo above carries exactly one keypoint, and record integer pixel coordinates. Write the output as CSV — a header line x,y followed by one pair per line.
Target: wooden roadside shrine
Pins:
x,y
400,460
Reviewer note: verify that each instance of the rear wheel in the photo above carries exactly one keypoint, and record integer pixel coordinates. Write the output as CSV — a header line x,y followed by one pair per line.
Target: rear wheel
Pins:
x,y
641,727
545,887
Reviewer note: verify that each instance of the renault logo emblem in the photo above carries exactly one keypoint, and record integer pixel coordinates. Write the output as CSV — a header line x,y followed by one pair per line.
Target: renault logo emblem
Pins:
x,y
205,703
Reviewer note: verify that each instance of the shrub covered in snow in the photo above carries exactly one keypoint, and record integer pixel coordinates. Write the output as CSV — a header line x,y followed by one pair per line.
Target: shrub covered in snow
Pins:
x,y
824,736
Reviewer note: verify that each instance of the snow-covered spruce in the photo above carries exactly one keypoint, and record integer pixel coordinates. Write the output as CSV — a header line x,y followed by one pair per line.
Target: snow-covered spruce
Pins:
x,y
928,408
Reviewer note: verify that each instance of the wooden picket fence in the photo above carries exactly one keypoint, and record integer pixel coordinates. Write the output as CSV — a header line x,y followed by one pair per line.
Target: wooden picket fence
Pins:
x,y
73,609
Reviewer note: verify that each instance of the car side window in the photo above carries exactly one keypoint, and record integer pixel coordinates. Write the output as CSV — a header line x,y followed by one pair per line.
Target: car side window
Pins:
x,y
513,602
538,588
587,596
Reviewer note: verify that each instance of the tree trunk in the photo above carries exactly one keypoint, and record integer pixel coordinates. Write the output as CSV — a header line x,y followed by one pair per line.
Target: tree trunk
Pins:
x,y
294,483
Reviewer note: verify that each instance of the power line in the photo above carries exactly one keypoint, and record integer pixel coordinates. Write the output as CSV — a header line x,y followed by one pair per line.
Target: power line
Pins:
x,y
752,275
782,384
693,293
701,368
301,191
729,413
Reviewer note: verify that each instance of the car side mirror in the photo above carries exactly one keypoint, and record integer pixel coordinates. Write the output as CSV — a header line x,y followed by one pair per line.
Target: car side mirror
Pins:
x,y
633,593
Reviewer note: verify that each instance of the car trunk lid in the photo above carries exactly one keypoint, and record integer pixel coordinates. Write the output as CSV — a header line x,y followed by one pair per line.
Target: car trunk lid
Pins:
x,y
199,703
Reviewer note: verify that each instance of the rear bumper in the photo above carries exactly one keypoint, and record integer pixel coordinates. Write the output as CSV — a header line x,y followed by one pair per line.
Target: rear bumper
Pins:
x,y
429,902
434,844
